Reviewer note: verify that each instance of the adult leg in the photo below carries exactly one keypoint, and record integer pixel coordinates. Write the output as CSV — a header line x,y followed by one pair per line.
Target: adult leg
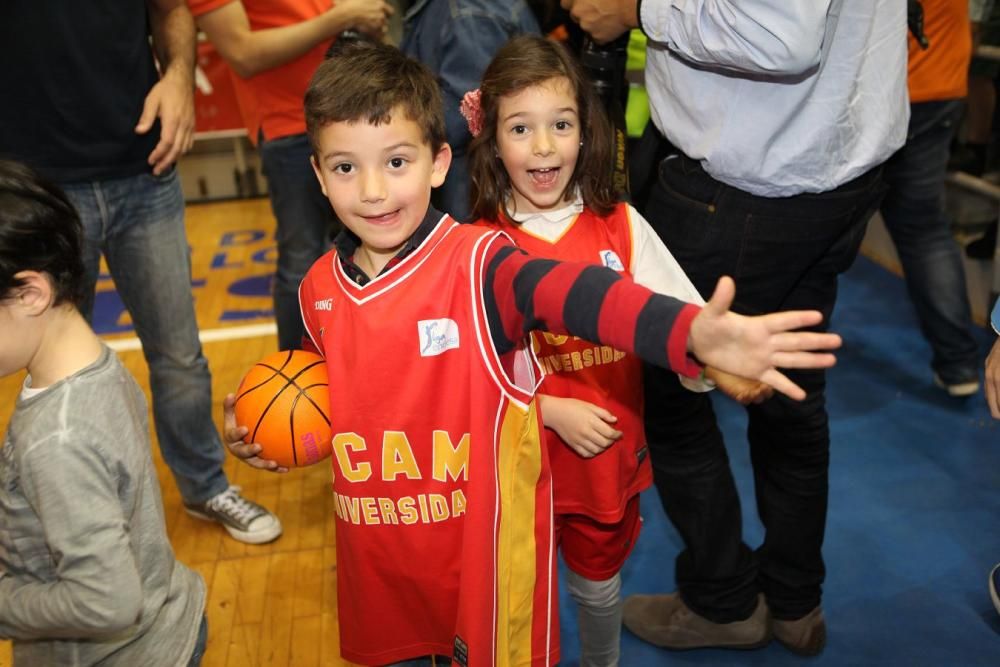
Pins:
x,y
305,220
913,210
147,252
782,253
148,255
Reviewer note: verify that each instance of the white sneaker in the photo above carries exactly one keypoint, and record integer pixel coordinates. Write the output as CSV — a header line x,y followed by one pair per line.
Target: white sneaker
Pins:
x,y
958,389
244,519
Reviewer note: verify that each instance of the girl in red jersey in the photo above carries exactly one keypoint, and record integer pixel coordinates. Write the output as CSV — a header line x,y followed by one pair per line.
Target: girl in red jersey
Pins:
x,y
540,167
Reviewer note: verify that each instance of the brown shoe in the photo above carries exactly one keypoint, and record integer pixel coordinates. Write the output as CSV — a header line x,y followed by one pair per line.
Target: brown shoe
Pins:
x,y
664,620
804,636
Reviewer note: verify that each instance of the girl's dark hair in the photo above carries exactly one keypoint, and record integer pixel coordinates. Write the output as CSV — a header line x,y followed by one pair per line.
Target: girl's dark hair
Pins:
x,y
39,231
524,61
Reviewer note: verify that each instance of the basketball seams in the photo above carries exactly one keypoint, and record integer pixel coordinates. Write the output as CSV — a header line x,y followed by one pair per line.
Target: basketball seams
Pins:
x,y
275,378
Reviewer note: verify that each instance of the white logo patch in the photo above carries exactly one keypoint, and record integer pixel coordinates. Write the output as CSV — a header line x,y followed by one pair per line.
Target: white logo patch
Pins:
x,y
436,336
325,304
610,259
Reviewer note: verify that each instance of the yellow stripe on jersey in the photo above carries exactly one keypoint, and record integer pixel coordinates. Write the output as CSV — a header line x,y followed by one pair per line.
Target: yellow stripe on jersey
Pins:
x,y
520,461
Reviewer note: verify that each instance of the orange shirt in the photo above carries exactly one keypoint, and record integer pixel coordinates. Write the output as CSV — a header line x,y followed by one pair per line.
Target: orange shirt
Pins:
x,y
942,71
276,94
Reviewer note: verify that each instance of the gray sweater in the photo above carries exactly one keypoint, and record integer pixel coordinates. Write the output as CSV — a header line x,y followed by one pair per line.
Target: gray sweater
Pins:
x,y
87,575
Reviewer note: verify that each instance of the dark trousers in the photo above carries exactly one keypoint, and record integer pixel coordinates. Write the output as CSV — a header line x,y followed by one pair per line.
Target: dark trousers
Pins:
x,y
913,210
784,254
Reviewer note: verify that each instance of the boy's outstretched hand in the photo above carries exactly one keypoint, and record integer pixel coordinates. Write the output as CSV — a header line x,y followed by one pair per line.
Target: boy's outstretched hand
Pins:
x,y
234,434
755,347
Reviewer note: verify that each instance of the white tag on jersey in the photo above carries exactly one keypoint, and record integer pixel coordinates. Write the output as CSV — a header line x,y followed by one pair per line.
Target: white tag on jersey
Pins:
x,y
610,259
437,336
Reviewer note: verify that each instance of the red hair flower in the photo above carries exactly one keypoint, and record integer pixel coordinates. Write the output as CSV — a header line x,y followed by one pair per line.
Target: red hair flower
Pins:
x,y
473,111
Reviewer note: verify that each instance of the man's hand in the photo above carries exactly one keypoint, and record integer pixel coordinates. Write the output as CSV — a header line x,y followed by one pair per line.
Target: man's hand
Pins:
x,y
739,389
370,17
603,19
993,380
172,101
233,434
755,347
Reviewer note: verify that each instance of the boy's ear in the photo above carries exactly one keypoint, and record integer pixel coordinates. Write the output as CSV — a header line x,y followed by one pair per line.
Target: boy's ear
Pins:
x,y
36,293
442,160
319,174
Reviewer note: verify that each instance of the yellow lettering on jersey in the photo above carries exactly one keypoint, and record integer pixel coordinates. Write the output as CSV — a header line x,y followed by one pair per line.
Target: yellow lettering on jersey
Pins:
x,y
588,357
349,508
388,510
554,339
338,506
439,507
457,502
407,511
577,363
607,354
450,460
342,444
397,457
369,511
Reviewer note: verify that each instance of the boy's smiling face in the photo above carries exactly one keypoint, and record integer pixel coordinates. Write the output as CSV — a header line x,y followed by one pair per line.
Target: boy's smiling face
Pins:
x,y
378,179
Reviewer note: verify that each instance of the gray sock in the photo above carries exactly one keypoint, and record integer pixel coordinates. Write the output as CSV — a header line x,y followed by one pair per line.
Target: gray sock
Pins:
x,y
599,606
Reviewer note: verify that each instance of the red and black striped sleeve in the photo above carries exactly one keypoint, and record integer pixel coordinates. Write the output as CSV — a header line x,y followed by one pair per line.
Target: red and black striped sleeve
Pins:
x,y
525,293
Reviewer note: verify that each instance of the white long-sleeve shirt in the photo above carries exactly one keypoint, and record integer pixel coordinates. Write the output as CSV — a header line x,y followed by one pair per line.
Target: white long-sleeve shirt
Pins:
x,y
779,97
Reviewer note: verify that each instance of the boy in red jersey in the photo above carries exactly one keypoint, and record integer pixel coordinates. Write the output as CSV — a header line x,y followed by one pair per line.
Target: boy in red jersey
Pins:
x,y
443,496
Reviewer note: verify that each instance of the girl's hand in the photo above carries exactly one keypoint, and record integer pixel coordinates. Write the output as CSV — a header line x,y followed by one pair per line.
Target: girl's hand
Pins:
x,y
233,435
740,389
586,428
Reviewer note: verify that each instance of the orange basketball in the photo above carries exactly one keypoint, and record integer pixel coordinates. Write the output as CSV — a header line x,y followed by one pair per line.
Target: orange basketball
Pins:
x,y
284,401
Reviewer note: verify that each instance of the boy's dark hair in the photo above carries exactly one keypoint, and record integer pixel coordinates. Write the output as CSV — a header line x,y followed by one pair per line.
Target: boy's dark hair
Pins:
x,y
39,231
529,60
366,81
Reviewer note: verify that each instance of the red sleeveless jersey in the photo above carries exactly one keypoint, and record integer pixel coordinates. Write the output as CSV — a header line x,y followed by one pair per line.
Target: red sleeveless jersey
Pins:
x,y
440,476
598,487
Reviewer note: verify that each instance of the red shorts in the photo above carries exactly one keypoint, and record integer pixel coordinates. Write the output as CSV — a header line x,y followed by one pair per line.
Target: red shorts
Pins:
x,y
598,550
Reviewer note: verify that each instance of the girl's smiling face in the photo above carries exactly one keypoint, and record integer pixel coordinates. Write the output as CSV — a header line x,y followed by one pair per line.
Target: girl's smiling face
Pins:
x,y
538,141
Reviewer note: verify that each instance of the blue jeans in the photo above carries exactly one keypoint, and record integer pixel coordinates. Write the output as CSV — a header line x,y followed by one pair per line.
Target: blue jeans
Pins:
x,y
138,223
784,254
305,223
438,661
913,210
200,644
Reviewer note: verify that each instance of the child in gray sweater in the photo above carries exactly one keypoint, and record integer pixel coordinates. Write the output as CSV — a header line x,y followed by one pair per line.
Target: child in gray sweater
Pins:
x,y
87,575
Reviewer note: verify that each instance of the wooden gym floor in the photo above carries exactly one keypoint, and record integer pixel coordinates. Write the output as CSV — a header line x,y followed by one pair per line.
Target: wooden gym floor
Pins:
x,y
272,604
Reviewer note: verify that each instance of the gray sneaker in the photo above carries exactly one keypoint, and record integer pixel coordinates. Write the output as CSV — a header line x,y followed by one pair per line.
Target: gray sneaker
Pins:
x,y
665,621
245,520
959,389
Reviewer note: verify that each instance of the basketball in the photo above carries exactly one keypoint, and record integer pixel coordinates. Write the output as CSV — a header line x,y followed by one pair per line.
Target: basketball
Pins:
x,y
284,401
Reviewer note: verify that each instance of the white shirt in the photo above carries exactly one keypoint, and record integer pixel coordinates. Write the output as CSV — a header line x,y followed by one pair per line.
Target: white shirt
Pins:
x,y
779,97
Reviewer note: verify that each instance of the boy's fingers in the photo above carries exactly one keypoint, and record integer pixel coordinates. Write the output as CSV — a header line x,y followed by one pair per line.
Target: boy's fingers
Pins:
x,y
803,360
722,297
792,319
781,383
793,341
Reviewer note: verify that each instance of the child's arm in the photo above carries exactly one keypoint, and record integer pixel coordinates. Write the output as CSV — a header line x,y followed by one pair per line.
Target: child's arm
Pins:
x,y
597,304
586,428
97,592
